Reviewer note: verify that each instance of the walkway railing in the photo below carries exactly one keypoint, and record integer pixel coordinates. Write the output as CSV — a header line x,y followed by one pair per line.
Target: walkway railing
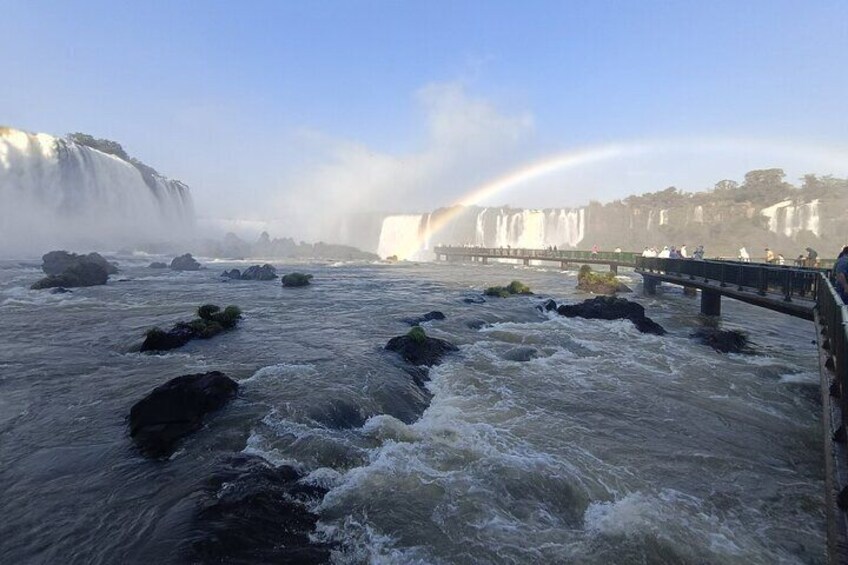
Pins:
x,y
833,316
762,278
626,258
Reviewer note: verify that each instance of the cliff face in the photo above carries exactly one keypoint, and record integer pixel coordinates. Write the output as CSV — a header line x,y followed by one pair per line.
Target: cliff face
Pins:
x,y
762,212
83,192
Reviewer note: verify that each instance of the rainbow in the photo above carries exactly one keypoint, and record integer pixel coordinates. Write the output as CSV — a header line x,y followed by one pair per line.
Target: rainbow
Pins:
x,y
829,156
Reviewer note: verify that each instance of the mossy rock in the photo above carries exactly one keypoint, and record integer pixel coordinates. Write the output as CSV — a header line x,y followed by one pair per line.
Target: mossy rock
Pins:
x,y
296,279
599,283
210,322
515,287
417,334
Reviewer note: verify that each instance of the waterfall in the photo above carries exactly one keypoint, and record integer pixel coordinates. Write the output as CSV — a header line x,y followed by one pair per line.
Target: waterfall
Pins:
x,y
401,236
55,193
789,218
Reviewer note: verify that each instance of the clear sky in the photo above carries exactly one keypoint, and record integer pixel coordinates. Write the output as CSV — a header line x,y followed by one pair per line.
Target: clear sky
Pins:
x,y
264,107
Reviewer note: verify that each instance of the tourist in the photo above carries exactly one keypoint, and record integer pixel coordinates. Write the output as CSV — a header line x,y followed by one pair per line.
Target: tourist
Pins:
x,y
812,257
665,253
699,253
799,262
840,272
594,251
769,255
780,259
743,255
684,254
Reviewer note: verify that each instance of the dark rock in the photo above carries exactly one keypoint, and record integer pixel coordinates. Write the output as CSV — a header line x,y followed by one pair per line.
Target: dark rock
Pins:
x,y
427,351
548,305
176,408
265,272
474,300
158,265
723,341
612,308
429,316
60,290
57,262
82,273
233,274
476,324
338,414
253,512
159,340
185,263
296,279
521,354
210,322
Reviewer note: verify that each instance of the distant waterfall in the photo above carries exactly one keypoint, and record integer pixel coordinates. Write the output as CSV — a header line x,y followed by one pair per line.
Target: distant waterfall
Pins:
x,y
789,218
402,236
55,193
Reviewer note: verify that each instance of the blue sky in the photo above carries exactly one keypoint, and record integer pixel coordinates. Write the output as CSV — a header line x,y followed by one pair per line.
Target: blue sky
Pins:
x,y
263,106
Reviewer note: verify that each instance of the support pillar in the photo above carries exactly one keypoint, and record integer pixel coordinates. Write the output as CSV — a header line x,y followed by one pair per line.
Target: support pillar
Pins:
x,y
710,303
563,265
485,260
614,268
527,262
649,285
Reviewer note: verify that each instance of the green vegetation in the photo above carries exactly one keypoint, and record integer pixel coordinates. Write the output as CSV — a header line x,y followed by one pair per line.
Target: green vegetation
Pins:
x,y
212,314
599,283
296,279
417,334
515,287
210,322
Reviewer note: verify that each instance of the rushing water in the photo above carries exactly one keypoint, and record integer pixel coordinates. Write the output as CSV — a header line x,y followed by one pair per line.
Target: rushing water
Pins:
x,y
609,447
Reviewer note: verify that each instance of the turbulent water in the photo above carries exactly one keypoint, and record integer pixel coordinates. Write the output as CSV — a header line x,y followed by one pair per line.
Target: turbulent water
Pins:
x,y
609,447
55,192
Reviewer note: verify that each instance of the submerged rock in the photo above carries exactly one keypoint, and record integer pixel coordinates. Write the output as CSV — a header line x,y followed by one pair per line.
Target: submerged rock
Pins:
x,y
611,308
521,354
474,300
185,263
176,409
60,290
723,341
418,348
158,265
296,279
548,305
429,316
253,512
233,274
264,272
210,322
56,262
77,275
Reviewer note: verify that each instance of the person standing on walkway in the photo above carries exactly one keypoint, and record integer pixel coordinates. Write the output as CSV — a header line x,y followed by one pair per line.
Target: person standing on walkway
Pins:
x,y
812,257
769,255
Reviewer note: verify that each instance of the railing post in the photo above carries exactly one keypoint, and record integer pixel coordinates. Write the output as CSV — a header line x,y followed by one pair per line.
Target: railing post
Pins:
x,y
723,276
741,277
762,281
787,286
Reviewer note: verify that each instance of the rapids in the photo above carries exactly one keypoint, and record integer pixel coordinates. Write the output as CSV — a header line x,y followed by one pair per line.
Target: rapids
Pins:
x,y
609,446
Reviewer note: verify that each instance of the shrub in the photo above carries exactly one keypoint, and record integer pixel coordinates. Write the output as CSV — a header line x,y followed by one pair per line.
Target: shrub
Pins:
x,y
518,287
208,311
496,291
229,317
417,334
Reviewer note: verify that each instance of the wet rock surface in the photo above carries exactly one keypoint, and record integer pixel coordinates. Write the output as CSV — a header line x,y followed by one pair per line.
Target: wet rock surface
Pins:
x,y
612,308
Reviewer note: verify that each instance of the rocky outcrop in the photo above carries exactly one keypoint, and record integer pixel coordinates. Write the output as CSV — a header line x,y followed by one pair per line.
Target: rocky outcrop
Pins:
x,y
264,272
515,287
611,308
82,272
158,265
185,263
599,283
176,409
429,316
210,322
57,262
723,341
418,348
253,512
296,279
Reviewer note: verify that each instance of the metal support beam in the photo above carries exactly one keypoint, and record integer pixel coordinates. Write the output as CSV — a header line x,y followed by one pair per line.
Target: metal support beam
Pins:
x,y
710,303
649,285
614,268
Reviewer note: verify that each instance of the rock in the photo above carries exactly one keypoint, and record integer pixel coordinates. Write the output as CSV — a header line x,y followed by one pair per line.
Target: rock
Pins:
x,y
185,263
176,409
723,341
474,300
548,305
82,273
253,512
57,262
419,349
599,283
521,354
612,308
429,316
265,272
158,265
60,290
296,279
515,287
233,274
210,322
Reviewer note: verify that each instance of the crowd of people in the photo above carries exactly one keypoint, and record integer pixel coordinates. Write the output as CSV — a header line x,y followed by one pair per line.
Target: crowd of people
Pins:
x,y
672,252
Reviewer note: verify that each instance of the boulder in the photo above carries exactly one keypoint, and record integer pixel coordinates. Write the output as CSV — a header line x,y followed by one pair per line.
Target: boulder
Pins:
x,y
515,287
296,279
158,265
253,512
723,341
429,316
548,305
81,273
176,409
264,272
185,263
233,274
418,348
210,322
612,308
57,262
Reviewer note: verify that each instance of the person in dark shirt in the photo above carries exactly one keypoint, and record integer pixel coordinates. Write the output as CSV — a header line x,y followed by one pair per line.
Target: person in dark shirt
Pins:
x,y
812,257
840,272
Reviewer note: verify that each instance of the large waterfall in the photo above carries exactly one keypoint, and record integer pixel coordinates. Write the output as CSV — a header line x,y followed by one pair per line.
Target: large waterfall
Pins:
x,y
412,236
790,218
55,193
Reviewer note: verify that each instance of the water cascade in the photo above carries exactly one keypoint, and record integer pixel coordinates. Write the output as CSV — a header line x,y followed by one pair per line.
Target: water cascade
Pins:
x,y
790,218
55,193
